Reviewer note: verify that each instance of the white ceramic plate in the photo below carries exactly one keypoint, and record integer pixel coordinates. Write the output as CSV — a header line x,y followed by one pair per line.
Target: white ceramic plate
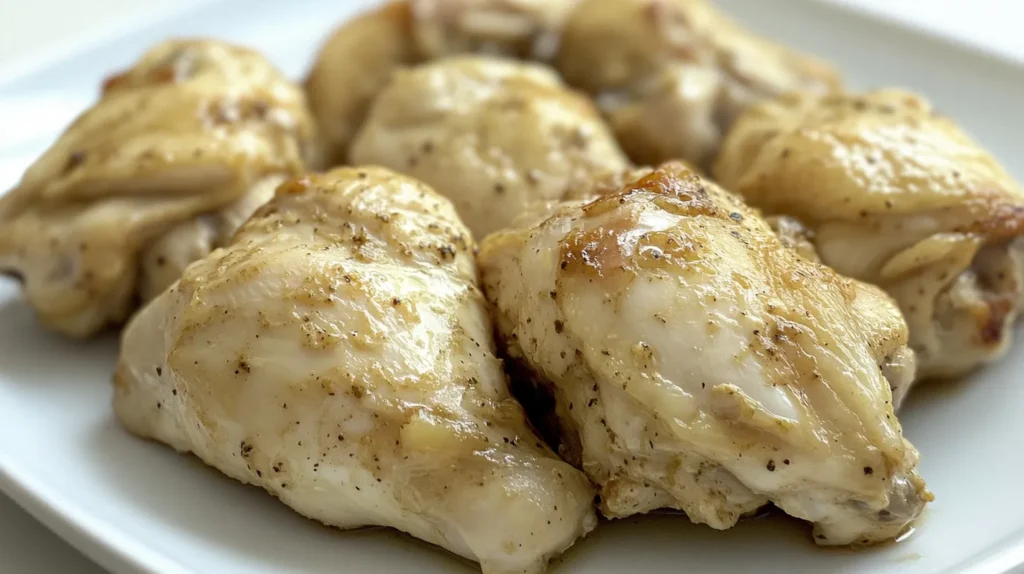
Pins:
x,y
137,507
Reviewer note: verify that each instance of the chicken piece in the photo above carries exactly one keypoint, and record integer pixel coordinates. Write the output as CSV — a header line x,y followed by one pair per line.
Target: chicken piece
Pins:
x,y
791,232
899,368
491,134
673,74
196,129
898,196
338,353
164,260
353,66
696,363
526,29
794,234
357,61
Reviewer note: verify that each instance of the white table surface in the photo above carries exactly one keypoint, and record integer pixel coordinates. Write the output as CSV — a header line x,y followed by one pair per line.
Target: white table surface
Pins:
x,y
28,27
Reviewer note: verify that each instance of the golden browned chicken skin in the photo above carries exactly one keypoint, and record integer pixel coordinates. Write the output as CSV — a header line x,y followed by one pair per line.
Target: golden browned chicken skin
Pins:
x,y
338,353
491,134
178,151
673,74
697,363
896,195
357,61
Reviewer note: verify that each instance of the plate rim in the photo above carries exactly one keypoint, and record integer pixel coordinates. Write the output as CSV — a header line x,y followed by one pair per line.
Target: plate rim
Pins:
x,y
96,538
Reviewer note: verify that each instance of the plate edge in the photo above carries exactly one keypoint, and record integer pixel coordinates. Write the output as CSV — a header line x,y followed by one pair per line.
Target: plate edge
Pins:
x,y
119,554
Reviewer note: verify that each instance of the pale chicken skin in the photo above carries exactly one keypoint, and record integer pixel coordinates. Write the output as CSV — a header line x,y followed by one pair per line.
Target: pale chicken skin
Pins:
x,y
358,59
672,75
896,195
338,354
491,134
179,150
697,363
524,29
794,234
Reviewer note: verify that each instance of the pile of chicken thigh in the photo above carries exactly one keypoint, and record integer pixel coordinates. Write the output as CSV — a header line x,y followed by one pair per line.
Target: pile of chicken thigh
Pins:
x,y
541,260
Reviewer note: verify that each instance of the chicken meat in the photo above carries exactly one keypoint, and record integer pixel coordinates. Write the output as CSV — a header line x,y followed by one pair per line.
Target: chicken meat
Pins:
x,y
896,195
794,234
338,353
357,61
525,29
491,134
672,75
692,361
179,150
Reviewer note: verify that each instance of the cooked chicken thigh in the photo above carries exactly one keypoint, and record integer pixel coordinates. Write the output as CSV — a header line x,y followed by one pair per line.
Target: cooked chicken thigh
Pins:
x,y
673,74
178,151
163,261
357,61
898,196
526,29
491,134
353,66
696,363
338,354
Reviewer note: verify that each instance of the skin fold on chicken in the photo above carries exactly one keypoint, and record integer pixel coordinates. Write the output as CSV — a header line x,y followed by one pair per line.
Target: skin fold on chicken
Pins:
x,y
896,195
178,151
694,362
794,234
338,353
357,61
491,134
672,75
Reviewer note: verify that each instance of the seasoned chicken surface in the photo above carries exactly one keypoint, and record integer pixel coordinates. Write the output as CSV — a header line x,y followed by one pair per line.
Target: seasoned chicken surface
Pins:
x,y
898,196
694,362
673,74
492,135
525,29
163,261
179,150
357,61
794,234
338,353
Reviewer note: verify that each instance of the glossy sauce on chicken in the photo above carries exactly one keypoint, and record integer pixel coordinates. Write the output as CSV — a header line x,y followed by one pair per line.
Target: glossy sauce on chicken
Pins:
x,y
491,134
